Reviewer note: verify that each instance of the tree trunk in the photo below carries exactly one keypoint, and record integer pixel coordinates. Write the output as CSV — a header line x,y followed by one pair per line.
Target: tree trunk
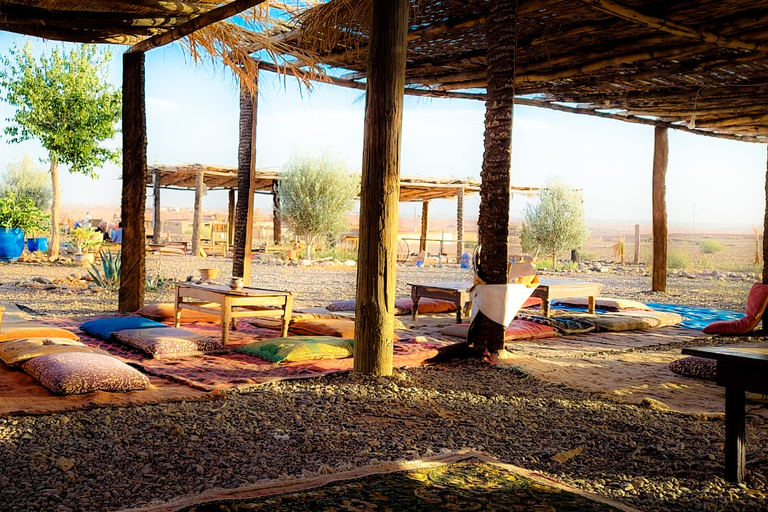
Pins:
x,y
277,226
493,221
424,225
246,159
197,219
554,261
134,196
157,223
53,248
660,153
380,188
459,224
231,218
637,244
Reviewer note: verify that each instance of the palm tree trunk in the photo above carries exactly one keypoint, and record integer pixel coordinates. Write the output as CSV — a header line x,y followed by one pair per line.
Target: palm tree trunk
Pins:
x,y
493,222
53,248
241,263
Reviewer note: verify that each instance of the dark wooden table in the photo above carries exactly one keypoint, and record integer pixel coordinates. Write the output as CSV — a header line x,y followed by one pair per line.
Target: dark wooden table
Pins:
x,y
739,369
550,289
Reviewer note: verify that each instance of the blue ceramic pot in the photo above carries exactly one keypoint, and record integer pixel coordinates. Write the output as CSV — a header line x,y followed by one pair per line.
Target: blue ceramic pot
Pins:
x,y
11,244
37,244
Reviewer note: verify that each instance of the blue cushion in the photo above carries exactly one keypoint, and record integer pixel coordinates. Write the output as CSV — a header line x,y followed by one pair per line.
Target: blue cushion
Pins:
x,y
104,327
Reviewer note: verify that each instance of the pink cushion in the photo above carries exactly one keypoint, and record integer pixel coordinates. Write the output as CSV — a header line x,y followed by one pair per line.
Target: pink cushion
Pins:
x,y
731,327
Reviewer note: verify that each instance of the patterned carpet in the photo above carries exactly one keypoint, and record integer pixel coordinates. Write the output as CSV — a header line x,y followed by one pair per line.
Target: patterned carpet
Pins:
x,y
463,482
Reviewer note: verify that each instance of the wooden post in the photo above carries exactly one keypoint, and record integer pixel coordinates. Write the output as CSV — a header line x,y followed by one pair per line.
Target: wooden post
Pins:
x,y
424,225
231,218
134,193
636,259
660,154
765,238
197,218
493,221
246,168
459,224
380,188
157,225
277,225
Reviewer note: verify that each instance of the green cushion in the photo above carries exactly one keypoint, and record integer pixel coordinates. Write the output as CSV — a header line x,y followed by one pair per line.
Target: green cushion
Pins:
x,y
299,348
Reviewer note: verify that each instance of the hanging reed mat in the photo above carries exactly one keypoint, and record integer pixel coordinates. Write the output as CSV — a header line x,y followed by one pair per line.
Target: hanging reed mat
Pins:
x,y
459,481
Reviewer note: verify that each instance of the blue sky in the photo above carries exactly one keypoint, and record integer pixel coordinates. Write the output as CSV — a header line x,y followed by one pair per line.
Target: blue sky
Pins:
x,y
192,116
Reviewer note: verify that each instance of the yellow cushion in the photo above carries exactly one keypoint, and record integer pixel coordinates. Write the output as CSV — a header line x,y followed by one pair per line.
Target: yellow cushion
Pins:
x,y
163,312
17,351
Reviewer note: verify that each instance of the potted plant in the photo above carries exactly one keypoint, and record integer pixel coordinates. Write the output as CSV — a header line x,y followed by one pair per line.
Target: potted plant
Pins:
x,y
85,241
37,242
18,215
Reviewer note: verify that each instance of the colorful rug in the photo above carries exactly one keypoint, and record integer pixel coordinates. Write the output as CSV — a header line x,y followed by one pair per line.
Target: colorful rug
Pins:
x,y
466,481
234,371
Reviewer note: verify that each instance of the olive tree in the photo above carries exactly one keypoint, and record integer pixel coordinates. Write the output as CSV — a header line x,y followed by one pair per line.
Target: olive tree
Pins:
x,y
316,193
556,222
26,179
65,101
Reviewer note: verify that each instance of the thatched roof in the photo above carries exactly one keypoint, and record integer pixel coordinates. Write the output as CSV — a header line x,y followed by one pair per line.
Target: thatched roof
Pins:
x,y
220,177
696,65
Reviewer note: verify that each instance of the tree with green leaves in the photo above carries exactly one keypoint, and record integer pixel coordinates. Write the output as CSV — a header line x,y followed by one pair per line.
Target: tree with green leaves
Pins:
x,y
556,223
65,101
26,179
316,193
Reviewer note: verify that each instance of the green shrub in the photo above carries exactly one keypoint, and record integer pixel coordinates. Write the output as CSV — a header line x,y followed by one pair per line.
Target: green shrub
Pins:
x,y
336,254
679,260
711,246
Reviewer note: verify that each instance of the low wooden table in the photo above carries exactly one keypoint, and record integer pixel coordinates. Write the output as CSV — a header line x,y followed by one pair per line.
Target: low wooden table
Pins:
x,y
252,302
550,289
739,369
457,292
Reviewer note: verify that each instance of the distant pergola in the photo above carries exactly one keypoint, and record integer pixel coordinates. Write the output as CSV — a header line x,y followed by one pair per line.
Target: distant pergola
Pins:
x,y
199,177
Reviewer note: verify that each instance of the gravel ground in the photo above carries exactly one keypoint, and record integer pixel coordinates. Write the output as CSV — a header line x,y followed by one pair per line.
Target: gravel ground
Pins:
x,y
107,459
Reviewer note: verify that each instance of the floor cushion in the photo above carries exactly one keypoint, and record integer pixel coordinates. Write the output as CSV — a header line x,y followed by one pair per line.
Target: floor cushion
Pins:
x,y
299,348
75,373
104,327
606,303
14,352
564,324
634,320
163,312
403,306
338,327
531,302
517,330
428,306
697,367
341,305
17,333
277,323
170,342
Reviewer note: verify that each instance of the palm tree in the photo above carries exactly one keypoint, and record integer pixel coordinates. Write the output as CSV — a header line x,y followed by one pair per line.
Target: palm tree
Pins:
x,y
244,192
493,224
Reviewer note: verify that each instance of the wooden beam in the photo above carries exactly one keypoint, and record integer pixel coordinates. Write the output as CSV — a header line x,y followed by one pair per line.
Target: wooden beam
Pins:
x,y
277,225
231,218
459,224
671,27
424,225
134,193
246,169
197,218
660,156
636,259
171,6
157,223
377,252
195,24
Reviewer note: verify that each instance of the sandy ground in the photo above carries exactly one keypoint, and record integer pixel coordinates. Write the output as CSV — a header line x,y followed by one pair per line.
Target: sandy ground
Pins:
x,y
125,457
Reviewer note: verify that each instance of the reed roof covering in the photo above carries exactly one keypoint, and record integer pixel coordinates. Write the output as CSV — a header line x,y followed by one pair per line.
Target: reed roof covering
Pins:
x,y
695,65
219,177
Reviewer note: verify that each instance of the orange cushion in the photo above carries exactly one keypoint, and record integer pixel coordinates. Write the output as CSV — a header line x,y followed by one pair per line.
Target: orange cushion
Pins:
x,y
517,330
427,305
338,327
163,312
17,333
